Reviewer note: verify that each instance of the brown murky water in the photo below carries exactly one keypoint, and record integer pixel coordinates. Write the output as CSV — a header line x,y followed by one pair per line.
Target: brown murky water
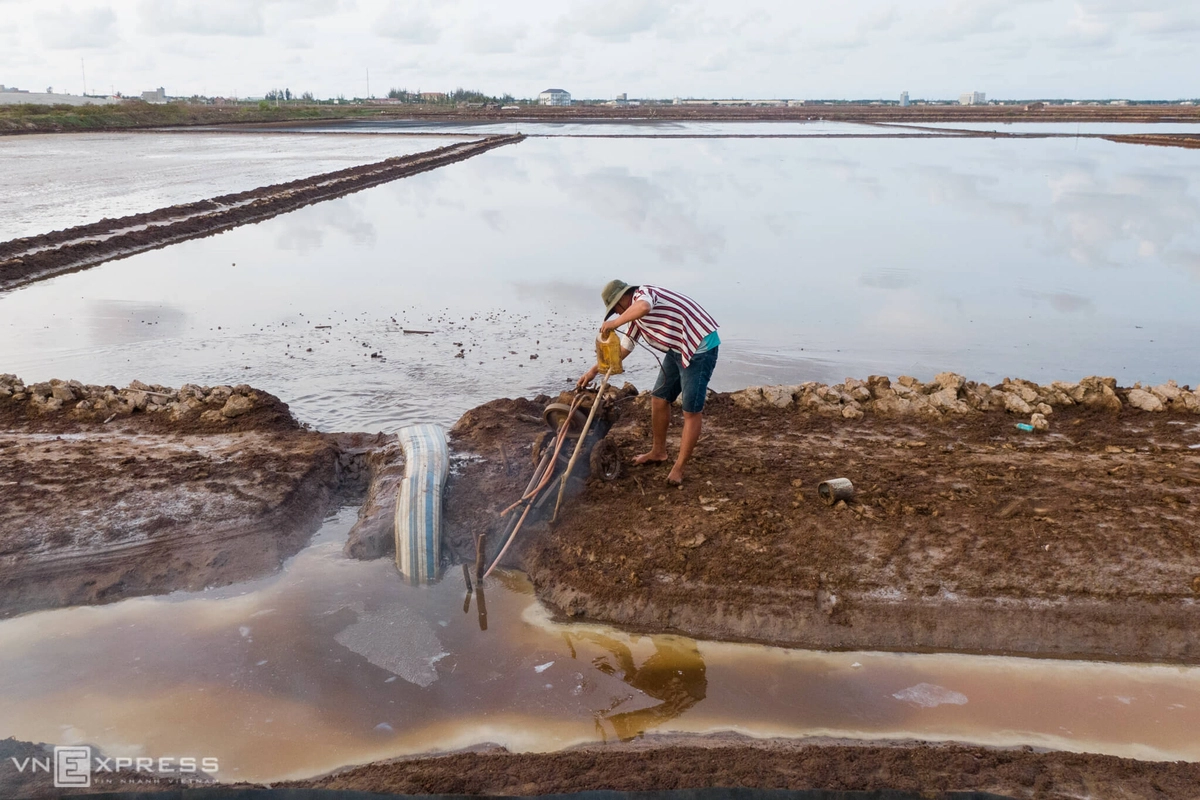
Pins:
x,y
335,662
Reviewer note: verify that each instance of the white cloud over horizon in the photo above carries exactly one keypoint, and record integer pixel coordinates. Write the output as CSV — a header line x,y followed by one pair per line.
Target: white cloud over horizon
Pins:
x,y
936,49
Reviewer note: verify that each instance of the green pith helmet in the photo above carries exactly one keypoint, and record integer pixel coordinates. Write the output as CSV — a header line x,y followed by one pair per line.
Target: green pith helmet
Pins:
x,y
612,292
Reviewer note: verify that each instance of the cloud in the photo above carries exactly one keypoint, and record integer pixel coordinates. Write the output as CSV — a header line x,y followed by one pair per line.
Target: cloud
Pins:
x,y
311,9
408,22
207,18
614,20
1086,29
78,28
878,21
961,19
486,38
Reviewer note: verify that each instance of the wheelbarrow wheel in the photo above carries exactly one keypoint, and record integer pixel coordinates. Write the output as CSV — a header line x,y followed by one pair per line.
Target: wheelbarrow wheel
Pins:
x,y
555,413
605,460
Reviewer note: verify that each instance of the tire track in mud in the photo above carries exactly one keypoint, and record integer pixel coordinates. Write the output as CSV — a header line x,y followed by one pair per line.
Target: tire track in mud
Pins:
x,y
33,258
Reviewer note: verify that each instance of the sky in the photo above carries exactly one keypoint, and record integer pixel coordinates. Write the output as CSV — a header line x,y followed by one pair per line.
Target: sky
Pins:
x,y
801,49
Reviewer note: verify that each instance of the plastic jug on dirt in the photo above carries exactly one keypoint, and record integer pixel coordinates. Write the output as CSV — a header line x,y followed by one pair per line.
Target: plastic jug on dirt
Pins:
x,y
608,353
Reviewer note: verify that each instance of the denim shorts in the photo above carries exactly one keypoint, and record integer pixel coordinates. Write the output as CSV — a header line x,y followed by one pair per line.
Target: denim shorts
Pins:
x,y
692,380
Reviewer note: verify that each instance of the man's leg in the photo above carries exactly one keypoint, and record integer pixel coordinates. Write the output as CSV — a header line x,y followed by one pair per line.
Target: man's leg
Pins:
x,y
694,384
692,422
665,390
660,420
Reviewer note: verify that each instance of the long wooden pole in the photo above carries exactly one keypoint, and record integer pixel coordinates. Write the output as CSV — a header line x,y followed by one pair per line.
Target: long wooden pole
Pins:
x,y
579,444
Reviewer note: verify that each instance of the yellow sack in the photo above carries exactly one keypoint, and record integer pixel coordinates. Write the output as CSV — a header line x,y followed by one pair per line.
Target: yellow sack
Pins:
x,y
608,354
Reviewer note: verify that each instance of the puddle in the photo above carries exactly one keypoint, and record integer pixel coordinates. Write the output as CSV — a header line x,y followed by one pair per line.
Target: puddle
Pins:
x,y
334,662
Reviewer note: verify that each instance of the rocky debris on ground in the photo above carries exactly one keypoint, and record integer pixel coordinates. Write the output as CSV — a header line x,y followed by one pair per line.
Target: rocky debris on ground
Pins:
x,y
951,394
193,405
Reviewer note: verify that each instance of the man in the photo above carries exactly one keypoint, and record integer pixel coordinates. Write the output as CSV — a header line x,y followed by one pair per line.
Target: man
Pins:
x,y
676,325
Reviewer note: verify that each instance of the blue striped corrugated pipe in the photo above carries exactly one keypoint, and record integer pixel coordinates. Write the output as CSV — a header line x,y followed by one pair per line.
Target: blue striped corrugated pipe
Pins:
x,y
419,503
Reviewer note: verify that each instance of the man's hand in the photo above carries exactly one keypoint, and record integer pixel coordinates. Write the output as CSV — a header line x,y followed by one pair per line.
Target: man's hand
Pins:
x,y
587,377
607,327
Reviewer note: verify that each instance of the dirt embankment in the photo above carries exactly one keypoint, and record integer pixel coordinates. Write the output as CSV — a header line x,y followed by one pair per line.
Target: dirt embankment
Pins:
x,y
664,763
32,258
1159,139
966,534
19,119
111,493
844,112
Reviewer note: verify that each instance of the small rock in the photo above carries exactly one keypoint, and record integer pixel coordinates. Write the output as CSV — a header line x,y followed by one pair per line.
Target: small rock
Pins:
x,y
1141,399
236,406
63,392
1039,422
949,380
1168,392
779,396
852,412
1015,404
1044,409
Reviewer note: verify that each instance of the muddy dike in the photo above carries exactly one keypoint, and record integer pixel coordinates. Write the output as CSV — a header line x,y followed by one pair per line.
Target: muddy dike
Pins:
x,y
33,258
112,493
1077,539
694,762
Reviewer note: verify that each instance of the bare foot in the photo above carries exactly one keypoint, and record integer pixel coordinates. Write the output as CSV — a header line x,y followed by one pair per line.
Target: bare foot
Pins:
x,y
676,476
650,458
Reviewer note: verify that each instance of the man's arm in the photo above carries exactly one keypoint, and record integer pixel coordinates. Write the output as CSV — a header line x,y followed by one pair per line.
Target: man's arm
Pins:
x,y
637,310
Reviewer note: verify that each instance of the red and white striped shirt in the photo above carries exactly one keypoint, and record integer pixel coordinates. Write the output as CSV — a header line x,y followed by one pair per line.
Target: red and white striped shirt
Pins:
x,y
674,322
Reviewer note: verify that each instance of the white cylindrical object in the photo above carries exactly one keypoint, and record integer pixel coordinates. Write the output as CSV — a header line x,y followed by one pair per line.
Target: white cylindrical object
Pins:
x,y
419,503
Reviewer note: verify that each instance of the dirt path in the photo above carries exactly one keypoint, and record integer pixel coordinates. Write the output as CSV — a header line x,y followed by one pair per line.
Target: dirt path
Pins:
x,y
33,258
1159,139
697,762
967,534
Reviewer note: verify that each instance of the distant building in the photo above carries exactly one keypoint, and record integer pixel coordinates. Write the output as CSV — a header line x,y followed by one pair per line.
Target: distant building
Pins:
x,y
1035,106
433,97
159,95
555,97
904,99
11,96
972,99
